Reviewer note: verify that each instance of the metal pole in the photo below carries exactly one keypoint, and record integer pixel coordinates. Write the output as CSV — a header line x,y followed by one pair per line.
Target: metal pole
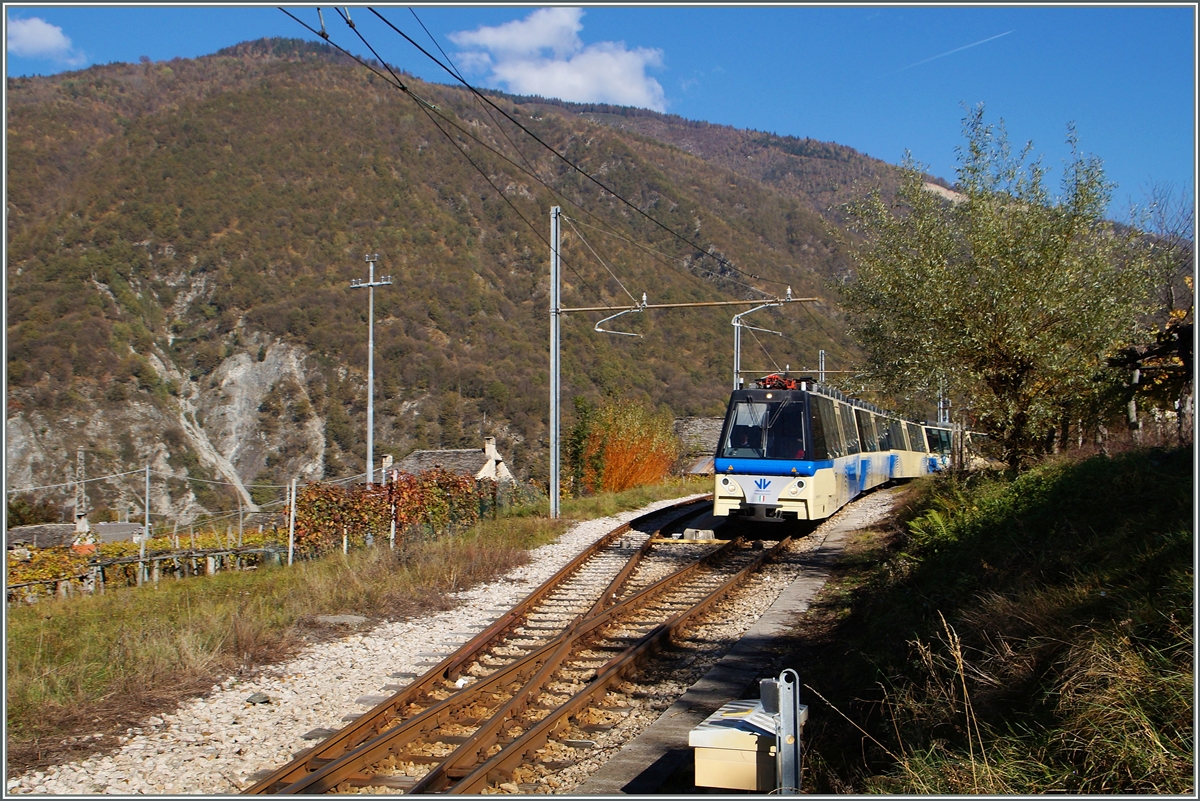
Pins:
x,y
821,369
737,353
370,285
555,316
738,325
788,745
371,374
292,524
146,533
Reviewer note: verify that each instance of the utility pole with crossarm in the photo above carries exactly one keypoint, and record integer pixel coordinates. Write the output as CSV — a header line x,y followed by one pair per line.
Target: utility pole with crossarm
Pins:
x,y
370,285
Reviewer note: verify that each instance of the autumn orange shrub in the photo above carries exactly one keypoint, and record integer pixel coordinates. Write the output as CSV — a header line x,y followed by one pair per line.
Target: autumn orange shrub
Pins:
x,y
622,445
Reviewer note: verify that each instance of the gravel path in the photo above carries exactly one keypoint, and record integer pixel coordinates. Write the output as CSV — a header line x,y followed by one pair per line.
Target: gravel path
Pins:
x,y
211,745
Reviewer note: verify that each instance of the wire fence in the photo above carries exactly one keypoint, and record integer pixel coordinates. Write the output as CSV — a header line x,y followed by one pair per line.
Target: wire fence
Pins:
x,y
328,517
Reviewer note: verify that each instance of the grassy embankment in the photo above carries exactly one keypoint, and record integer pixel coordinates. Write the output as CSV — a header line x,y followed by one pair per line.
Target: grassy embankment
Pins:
x,y
82,666
1013,637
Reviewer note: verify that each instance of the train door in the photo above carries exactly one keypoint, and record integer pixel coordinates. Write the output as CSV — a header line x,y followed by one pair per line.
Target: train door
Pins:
x,y
867,446
850,436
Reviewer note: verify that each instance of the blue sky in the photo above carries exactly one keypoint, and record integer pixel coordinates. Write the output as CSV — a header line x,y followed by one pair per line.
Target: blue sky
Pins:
x,y
882,79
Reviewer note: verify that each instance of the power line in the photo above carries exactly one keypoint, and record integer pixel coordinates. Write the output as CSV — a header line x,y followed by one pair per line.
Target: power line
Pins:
x,y
76,483
430,111
222,483
665,259
567,161
531,171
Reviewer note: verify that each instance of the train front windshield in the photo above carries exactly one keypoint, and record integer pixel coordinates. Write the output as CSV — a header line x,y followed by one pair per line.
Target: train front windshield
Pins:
x,y
765,430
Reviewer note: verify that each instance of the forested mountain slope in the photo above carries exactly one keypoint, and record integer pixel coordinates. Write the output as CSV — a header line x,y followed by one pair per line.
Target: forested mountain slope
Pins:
x,y
182,238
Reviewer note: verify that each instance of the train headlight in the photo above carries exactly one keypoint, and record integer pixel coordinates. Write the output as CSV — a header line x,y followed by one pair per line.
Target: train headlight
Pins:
x,y
725,482
795,487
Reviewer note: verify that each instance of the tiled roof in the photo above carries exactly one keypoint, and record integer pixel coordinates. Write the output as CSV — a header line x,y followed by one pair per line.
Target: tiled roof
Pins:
x,y
462,460
484,462
45,535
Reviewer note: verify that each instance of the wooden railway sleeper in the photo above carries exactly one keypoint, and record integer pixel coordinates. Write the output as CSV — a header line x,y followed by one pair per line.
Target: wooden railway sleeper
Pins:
x,y
482,736
268,785
598,689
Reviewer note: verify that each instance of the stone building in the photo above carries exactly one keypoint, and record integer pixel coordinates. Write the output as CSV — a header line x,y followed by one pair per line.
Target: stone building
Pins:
x,y
699,437
478,463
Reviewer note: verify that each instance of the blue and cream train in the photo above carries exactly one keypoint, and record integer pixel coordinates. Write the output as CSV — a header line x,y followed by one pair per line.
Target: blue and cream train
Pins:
x,y
796,450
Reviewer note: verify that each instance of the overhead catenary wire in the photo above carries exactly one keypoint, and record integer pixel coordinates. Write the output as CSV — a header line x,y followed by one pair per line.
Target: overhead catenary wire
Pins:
x,y
568,161
668,261
532,171
597,255
763,347
432,110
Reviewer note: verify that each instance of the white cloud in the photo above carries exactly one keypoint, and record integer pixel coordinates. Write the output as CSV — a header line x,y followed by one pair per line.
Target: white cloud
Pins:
x,y
36,38
543,55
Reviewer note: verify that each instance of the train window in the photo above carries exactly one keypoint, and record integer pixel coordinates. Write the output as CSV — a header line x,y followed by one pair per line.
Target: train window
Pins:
x,y
849,429
827,439
939,441
866,430
915,440
896,433
883,426
747,420
765,430
785,431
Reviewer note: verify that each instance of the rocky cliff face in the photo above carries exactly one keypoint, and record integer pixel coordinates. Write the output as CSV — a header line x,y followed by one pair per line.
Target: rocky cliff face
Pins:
x,y
250,417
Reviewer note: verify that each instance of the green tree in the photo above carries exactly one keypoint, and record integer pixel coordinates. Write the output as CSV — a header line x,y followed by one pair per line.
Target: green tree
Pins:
x,y
1004,296
23,512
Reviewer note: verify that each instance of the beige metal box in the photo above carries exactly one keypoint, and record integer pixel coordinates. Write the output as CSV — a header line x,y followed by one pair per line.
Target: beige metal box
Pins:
x,y
735,748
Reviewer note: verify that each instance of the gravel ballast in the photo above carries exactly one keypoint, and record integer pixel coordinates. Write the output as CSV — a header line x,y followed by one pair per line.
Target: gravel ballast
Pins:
x,y
214,744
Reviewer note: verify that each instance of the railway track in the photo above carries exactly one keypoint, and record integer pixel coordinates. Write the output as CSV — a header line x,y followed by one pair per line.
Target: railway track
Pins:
x,y
513,704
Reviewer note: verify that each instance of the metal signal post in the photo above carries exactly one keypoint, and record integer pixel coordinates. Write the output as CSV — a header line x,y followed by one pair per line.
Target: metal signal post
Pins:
x,y
370,285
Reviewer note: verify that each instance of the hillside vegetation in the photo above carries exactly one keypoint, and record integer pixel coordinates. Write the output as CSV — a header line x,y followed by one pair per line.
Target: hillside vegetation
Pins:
x,y
182,236
1018,636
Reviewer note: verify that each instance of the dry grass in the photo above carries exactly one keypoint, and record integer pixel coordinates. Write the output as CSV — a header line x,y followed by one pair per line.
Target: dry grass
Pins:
x,y
96,665
1027,637
82,666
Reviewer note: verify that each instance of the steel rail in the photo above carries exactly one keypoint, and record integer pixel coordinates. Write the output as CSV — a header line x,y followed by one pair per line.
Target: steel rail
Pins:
x,y
488,734
386,743
380,718
524,747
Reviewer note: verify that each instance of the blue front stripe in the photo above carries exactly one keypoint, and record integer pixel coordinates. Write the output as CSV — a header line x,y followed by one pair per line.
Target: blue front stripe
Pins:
x,y
771,467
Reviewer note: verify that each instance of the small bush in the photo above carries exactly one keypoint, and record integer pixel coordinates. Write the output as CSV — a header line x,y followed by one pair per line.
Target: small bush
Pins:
x,y
619,446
